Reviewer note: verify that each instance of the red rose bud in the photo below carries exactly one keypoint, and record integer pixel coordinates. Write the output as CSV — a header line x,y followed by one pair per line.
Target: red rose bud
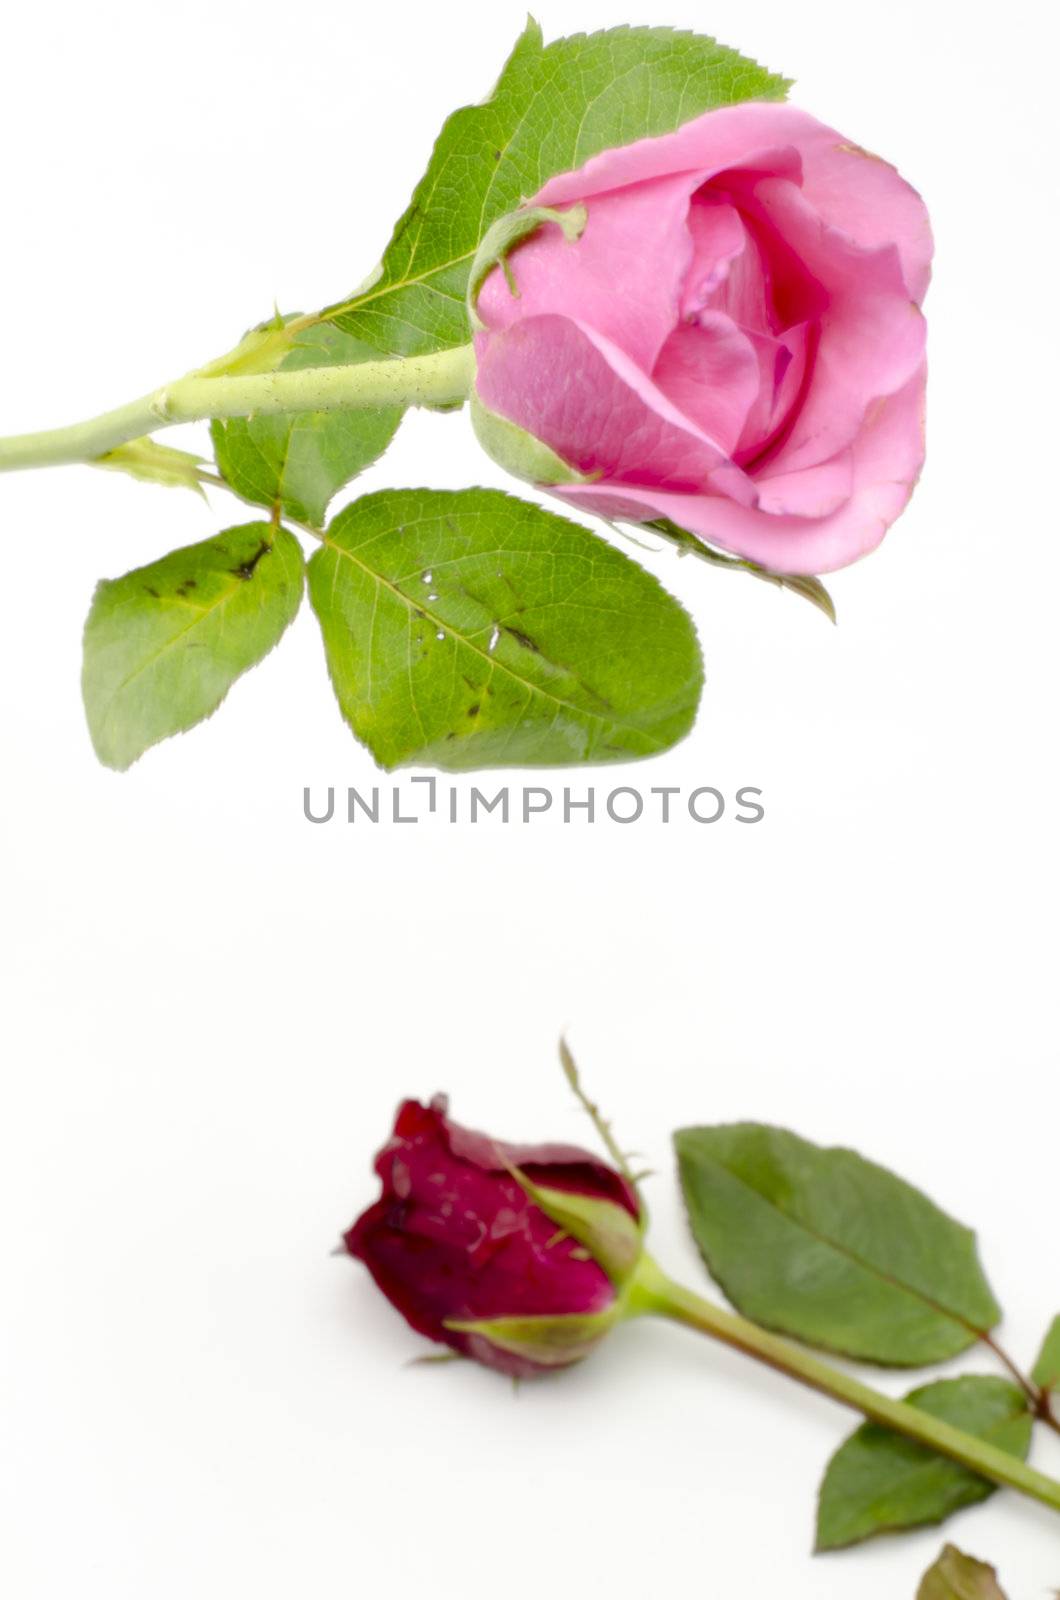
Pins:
x,y
514,1255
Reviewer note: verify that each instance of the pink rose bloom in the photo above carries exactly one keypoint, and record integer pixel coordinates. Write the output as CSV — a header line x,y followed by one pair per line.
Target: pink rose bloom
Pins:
x,y
734,342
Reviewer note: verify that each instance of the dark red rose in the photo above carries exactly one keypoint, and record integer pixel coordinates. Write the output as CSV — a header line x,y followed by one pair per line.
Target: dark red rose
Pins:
x,y
470,1231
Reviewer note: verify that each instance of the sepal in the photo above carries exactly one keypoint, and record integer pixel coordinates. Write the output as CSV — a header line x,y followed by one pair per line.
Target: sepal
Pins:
x,y
613,1238
500,240
152,462
558,1341
518,452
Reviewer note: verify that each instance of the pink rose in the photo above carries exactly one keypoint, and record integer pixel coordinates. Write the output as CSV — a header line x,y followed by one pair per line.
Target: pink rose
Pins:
x,y
734,342
508,1253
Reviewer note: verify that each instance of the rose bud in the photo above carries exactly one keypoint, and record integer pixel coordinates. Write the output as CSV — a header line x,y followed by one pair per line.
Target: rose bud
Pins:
x,y
514,1255
718,329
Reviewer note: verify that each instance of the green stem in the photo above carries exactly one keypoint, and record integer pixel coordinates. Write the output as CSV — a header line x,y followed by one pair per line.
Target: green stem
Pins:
x,y
443,378
653,1293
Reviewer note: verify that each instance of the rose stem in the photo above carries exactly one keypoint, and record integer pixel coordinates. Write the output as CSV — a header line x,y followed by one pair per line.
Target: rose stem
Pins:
x,y
653,1293
441,378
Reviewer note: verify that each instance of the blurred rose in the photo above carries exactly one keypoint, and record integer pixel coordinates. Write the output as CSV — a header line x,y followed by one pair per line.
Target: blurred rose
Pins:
x,y
460,1235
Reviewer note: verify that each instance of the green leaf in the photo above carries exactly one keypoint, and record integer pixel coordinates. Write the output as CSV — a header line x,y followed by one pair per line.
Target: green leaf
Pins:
x,y
554,107
811,589
830,1248
880,1482
471,629
164,644
1046,1372
956,1576
299,462
152,462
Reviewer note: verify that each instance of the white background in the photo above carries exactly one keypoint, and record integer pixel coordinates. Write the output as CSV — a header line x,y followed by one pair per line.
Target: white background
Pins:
x,y
212,1007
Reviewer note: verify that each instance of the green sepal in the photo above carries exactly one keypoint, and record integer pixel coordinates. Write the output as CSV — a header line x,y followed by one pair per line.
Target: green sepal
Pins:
x,y
811,589
549,1341
261,349
501,238
608,1232
151,462
519,452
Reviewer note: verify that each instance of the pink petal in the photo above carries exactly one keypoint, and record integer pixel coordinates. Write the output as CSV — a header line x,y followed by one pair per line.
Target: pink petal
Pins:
x,y
782,366
623,277
867,199
735,136
593,406
886,458
710,370
871,334
718,237
811,491
754,278
861,195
